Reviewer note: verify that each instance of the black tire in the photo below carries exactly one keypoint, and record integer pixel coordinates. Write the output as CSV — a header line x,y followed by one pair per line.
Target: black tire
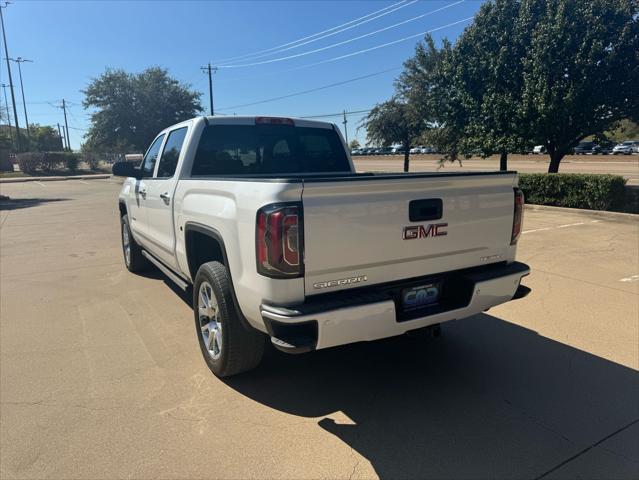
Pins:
x,y
242,347
136,262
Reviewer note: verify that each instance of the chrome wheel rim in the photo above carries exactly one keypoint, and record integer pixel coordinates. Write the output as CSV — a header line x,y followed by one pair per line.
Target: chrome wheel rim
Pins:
x,y
209,320
126,244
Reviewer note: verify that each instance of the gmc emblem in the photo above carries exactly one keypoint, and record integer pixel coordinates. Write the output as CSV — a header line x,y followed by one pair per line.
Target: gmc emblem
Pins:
x,y
421,231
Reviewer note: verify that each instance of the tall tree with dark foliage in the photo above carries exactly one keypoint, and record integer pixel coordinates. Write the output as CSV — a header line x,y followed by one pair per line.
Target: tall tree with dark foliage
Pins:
x,y
130,109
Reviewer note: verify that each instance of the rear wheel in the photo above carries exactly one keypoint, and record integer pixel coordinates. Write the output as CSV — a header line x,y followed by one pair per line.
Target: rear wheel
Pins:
x,y
228,346
133,258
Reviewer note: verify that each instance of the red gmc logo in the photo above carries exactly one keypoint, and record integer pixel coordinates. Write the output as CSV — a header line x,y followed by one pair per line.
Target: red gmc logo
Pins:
x,y
421,231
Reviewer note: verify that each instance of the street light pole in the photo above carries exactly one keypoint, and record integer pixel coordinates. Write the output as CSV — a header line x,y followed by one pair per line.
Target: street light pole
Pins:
x,y
13,97
19,61
6,104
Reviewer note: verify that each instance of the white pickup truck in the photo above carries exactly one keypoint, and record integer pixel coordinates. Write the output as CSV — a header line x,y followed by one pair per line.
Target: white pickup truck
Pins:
x,y
267,221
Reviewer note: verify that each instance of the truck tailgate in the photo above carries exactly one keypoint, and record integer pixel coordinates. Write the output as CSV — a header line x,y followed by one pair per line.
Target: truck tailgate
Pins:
x,y
355,229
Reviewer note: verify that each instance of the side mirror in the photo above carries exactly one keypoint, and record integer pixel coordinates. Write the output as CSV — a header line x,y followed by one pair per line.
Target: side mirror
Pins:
x,y
126,169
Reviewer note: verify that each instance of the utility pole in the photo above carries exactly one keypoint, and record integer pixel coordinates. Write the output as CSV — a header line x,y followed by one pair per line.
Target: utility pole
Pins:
x,y
210,69
6,104
345,129
20,60
13,97
60,135
65,139
66,124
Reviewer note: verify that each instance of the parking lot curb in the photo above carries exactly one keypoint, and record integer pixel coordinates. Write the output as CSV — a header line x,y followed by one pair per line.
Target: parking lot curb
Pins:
x,y
54,179
583,211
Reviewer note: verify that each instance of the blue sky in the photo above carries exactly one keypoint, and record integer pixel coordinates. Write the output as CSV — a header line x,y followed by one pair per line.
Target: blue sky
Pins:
x,y
71,42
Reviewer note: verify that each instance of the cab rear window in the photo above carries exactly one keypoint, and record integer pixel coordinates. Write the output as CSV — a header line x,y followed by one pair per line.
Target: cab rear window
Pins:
x,y
268,150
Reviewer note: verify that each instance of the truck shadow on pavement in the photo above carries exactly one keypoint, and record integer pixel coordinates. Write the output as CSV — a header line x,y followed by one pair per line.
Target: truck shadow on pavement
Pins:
x,y
17,203
488,399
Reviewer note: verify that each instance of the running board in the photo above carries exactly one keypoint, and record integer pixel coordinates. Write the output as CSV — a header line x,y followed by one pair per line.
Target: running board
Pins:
x,y
166,270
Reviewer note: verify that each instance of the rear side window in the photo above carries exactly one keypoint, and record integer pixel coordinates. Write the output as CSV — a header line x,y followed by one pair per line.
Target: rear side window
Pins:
x,y
148,164
171,153
268,149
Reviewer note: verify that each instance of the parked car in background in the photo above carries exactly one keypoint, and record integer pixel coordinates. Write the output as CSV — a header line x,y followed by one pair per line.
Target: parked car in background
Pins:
x,y
398,150
626,148
416,149
605,150
605,147
385,151
356,151
586,148
539,150
428,150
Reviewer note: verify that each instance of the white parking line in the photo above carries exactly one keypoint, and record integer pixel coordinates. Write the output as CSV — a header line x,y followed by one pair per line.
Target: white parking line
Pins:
x,y
40,183
632,278
559,226
82,181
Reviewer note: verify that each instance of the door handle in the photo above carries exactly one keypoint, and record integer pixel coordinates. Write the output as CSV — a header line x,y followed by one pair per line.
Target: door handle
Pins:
x,y
166,197
142,192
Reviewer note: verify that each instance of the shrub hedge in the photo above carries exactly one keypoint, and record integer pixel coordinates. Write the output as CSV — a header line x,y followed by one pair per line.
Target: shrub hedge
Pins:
x,y
30,162
574,190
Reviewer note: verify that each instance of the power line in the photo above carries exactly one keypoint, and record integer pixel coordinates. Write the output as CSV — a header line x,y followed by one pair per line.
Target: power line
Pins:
x,y
255,57
333,59
338,114
344,42
388,44
76,121
340,29
303,92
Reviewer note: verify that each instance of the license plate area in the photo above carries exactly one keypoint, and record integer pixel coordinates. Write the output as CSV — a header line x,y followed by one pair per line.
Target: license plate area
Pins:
x,y
421,296
442,293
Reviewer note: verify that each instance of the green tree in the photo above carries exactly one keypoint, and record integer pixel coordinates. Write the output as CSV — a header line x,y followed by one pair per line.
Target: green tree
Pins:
x,y
423,85
353,144
485,80
625,129
580,71
130,109
530,72
394,121
43,138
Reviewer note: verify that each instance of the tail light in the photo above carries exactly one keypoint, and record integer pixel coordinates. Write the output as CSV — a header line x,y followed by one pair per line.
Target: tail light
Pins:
x,y
518,216
279,240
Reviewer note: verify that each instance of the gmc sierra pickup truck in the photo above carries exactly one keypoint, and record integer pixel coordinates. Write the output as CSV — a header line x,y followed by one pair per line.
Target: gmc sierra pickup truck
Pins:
x,y
266,220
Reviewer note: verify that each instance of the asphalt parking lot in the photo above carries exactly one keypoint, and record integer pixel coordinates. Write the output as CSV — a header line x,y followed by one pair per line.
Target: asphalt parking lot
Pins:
x,y
101,375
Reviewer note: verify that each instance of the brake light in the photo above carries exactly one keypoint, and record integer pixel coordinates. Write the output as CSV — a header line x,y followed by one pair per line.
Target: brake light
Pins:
x,y
518,216
274,121
279,240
